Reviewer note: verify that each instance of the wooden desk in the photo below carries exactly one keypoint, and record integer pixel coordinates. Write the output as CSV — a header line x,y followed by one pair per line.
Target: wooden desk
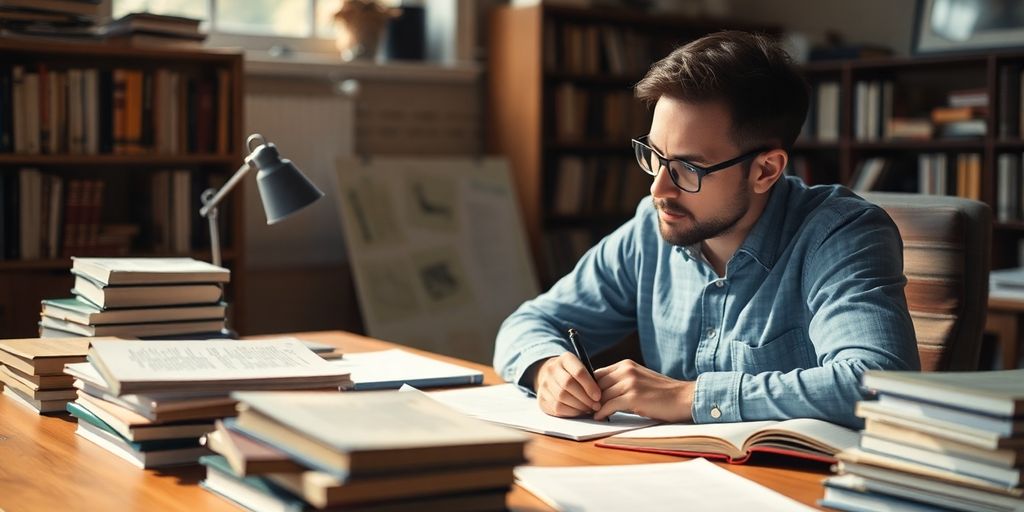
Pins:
x,y
1003,320
45,466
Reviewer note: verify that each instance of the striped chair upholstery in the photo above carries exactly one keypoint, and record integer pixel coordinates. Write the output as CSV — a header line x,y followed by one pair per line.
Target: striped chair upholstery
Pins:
x,y
946,258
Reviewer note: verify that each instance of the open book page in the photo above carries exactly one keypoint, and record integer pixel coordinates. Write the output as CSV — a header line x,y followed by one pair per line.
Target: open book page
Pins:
x,y
391,368
735,434
209,360
506,405
831,437
692,485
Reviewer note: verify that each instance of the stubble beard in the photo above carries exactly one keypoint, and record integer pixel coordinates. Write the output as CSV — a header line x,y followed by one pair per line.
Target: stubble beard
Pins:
x,y
699,231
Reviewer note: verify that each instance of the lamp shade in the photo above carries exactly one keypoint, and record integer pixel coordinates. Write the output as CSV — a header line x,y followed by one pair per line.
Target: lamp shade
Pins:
x,y
284,190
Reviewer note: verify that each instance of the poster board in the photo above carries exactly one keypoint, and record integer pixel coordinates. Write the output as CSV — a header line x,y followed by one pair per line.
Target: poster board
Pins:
x,y
437,249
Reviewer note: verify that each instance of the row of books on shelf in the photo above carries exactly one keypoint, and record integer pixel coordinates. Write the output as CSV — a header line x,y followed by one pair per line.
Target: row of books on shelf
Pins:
x,y
942,174
875,118
595,185
45,110
936,173
586,114
47,215
596,49
935,440
1009,205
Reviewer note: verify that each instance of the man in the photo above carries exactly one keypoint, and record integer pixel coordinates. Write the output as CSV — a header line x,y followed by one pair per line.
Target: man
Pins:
x,y
754,296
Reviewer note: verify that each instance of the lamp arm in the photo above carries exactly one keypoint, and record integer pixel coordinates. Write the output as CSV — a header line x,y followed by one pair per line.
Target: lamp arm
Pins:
x,y
227,188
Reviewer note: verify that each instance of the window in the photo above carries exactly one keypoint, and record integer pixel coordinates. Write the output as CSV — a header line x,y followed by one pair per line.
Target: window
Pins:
x,y
285,18
299,25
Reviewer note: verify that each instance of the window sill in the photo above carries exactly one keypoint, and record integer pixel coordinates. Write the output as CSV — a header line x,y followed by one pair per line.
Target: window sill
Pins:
x,y
328,67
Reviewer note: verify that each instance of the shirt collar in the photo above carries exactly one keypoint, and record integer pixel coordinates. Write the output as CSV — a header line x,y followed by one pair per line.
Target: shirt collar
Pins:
x,y
762,243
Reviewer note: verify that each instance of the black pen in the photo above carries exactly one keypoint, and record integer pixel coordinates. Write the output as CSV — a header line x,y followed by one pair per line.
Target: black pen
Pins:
x,y
581,354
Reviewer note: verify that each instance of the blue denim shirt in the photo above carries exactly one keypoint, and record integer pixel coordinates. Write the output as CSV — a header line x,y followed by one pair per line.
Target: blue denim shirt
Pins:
x,y
812,298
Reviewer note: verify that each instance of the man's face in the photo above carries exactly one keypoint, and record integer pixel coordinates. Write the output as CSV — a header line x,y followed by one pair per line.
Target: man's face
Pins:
x,y
697,133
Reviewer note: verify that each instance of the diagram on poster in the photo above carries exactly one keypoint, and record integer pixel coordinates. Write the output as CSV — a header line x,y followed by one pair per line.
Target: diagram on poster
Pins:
x,y
437,249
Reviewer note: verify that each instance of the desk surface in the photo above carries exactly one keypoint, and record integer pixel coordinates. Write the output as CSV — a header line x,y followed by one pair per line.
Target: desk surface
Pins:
x,y
45,466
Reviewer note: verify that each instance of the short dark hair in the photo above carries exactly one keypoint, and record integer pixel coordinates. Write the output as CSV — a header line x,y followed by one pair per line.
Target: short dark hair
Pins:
x,y
754,77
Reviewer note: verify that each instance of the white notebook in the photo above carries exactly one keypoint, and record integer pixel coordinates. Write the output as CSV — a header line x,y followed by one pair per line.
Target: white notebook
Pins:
x,y
507,405
390,369
692,486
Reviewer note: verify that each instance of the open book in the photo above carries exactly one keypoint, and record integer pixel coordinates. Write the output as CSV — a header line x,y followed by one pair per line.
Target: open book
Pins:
x,y
735,442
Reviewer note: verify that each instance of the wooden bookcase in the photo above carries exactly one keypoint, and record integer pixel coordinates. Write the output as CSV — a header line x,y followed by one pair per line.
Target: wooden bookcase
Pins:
x,y
129,182
920,84
561,109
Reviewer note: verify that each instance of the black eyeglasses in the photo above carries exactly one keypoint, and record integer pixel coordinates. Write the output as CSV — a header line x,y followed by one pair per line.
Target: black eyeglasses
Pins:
x,y
685,175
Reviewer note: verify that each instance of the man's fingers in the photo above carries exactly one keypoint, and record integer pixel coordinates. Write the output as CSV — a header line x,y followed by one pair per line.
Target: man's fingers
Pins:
x,y
551,405
579,373
563,395
620,403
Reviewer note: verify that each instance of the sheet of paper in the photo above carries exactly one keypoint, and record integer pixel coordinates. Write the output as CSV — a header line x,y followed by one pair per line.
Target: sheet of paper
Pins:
x,y
734,433
693,485
390,369
507,405
213,360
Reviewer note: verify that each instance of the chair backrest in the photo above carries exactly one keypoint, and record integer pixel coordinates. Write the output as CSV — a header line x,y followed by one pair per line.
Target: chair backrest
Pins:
x,y
946,258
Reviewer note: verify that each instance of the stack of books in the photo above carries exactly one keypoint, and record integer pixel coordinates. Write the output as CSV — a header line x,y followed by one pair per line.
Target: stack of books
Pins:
x,y
32,372
143,28
936,440
66,18
149,402
139,297
386,450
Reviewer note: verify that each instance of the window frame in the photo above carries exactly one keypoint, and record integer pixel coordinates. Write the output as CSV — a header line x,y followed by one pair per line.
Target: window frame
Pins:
x,y
253,42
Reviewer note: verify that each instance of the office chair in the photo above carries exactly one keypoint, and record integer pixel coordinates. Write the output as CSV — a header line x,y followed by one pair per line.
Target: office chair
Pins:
x,y
947,242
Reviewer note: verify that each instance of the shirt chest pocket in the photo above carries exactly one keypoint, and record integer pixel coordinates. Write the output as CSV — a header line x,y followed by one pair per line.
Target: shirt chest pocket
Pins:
x,y
787,352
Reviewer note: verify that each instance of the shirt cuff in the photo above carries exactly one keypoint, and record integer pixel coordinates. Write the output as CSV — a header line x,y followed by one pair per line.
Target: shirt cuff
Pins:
x,y
716,397
530,355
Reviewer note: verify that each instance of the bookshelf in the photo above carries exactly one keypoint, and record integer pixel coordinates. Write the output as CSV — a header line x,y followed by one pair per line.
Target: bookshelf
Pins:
x,y
561,109
918,88
105,153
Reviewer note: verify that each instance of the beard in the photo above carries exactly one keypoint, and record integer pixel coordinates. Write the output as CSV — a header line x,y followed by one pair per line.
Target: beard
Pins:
x,y
698,231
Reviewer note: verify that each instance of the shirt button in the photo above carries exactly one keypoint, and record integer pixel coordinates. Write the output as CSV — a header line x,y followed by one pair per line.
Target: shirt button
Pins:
x,y
716,413
720,283
712,333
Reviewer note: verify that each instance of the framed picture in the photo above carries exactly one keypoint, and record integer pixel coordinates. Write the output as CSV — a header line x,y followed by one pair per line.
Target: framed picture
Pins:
x,y
950,26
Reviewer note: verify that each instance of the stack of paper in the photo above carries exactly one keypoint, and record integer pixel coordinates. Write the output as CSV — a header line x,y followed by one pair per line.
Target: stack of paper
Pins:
x,y
139,297
694,485
149,402
951,440
396,451
33,371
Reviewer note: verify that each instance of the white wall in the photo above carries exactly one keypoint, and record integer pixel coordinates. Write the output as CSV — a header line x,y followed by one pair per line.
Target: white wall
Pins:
x,y
885,22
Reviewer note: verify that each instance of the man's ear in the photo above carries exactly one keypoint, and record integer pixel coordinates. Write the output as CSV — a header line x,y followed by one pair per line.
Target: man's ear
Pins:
x,y
767,168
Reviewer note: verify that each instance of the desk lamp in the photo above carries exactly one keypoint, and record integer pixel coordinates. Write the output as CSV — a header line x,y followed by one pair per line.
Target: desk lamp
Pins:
x,y
284,190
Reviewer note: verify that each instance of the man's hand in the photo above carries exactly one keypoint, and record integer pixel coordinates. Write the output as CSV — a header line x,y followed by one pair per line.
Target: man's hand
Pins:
x,y
631,387
565,389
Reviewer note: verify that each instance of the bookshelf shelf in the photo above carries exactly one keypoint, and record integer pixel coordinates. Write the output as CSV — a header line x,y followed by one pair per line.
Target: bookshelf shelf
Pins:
x,y
121,141
920,145
117,160
815,145
623,81
593,145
